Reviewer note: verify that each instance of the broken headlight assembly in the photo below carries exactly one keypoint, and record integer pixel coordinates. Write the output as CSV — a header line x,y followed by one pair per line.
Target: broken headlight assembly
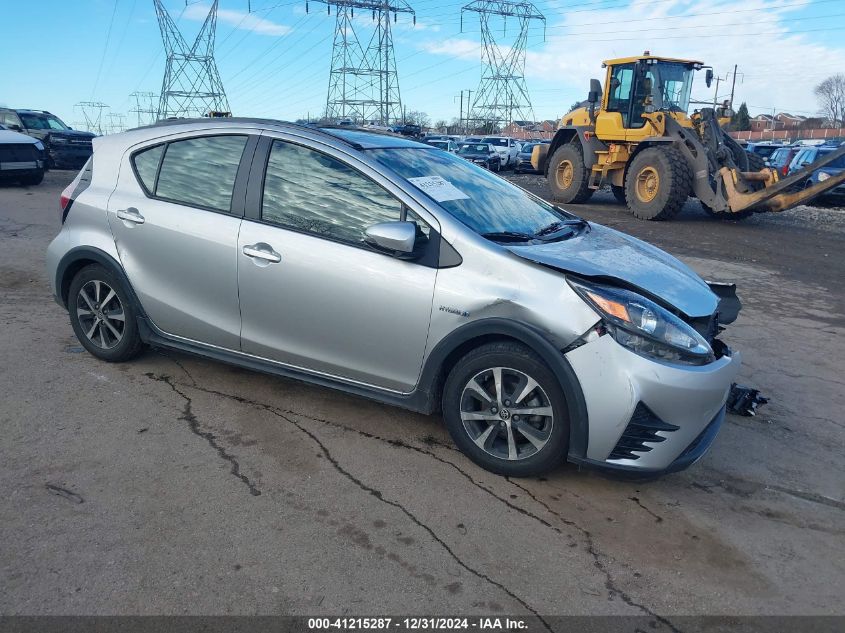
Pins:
x,y
645,327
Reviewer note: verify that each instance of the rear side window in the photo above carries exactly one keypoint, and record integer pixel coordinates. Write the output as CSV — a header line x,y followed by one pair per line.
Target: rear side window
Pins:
x,y
198,172
146,165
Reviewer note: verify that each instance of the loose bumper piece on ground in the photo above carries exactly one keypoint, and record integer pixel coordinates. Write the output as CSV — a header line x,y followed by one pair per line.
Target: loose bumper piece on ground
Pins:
x,y
744,400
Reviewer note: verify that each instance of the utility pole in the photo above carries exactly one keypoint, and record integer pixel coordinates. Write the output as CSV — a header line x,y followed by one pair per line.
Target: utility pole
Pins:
x,y
733,85
716,94
469,100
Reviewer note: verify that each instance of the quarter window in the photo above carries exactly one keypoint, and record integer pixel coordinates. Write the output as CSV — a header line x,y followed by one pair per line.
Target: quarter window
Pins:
x,y
146,165
308,191
201,171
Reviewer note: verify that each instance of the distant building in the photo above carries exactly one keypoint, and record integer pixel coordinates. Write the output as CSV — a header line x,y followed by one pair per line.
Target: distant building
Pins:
x,y
529,129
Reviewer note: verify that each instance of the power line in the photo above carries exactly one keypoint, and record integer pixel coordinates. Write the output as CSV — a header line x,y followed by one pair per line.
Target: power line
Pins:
x,y
105,49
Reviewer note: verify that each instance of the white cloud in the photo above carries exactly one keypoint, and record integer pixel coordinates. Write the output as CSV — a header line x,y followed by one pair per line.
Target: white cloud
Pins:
x,y
778,65
238,19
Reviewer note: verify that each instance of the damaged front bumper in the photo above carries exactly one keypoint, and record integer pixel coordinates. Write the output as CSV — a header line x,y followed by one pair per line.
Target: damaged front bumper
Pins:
x,y
647,416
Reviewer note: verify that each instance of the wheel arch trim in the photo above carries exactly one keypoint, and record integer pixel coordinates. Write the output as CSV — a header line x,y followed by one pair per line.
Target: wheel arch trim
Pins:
x,y
461,340
77,258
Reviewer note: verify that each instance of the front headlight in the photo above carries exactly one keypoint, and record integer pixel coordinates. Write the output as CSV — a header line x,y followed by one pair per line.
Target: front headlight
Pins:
x,y
39,146
645,327
823,176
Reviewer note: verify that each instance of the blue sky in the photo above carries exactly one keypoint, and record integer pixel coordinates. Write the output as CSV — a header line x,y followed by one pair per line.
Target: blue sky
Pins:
x,y
275,61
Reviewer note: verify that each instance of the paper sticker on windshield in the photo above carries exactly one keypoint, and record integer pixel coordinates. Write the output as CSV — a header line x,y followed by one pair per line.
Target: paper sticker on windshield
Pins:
x,y
438,188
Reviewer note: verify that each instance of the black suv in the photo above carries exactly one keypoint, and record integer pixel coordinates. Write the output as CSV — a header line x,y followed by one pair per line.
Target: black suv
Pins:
x,y
66,148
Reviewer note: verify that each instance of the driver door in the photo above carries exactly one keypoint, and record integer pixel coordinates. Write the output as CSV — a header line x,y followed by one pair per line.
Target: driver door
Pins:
x,y
313,294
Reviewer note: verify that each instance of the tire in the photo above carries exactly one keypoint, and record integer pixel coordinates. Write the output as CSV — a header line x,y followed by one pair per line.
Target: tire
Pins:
x,y
33,179
657,183
754,162
618,193
464,405
567,175
108,340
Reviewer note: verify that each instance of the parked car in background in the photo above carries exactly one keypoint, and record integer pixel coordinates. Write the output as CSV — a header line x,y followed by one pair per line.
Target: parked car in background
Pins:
x,y
22,157
523,160
445,144
66,148
482,154
762,149
823,173
506,146
409,129
472,139
807,156
781,158
562,353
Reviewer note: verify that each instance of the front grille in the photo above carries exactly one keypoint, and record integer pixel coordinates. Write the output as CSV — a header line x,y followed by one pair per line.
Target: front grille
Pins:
x,y
642,428
82,142
18,153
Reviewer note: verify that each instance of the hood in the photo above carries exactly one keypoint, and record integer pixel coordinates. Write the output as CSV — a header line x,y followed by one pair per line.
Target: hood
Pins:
x,y
73,134
605,254
8,137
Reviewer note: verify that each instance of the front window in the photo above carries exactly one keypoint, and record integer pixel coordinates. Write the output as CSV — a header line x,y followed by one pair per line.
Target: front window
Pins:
x,y
477,198
672,83
42,122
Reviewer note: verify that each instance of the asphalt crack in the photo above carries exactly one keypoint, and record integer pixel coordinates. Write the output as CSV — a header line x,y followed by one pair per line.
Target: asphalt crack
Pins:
x,y
610,583
657,517
194,426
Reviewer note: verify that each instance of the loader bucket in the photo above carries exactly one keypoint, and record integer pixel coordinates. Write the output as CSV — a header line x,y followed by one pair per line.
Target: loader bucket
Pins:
x,y
775,196
539,155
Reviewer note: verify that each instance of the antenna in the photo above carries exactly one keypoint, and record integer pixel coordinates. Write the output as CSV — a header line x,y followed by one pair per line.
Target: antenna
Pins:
x,y
502,95
191,86
363,82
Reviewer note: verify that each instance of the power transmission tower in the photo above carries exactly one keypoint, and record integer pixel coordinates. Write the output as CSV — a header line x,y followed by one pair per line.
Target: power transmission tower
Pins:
x,y
92,116
191,85
502,95
363,82
116,122
146,107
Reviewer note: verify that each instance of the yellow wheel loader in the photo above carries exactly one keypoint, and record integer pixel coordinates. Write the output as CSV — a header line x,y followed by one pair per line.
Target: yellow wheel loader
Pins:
x,y
636,136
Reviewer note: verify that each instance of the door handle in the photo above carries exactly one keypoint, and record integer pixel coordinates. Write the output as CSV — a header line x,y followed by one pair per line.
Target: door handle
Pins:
x,y
130,215
262,251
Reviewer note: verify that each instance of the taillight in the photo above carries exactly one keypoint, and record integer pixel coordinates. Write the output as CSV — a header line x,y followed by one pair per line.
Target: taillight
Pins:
x,y
65,200
785,169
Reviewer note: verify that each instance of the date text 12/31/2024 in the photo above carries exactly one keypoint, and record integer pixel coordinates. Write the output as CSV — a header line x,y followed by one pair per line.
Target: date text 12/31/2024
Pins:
x,y
416,624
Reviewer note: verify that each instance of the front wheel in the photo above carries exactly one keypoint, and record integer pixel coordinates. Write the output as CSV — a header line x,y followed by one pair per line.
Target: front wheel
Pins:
x,y
102,315
568,177
33,179
657,183
506,410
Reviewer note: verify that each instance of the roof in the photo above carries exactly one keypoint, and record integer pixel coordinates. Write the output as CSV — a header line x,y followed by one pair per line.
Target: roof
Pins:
x,y
358,138
630,60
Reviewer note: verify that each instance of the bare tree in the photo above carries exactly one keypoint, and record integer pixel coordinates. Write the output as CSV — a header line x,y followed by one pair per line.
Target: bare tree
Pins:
x,y
417,118
831,96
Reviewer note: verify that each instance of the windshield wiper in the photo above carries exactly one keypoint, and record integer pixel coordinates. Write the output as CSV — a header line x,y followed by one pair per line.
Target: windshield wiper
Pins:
x,y
507,236
559,230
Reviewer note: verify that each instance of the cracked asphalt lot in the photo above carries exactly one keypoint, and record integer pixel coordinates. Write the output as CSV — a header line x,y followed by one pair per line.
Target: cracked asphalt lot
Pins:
x,y
177,485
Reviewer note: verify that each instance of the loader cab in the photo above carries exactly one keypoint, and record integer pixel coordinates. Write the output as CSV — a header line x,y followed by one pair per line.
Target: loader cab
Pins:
x,y
638,86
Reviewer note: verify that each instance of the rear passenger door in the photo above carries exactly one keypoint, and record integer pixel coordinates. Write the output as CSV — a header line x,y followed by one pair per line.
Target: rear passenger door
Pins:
x,y
175,216
313,294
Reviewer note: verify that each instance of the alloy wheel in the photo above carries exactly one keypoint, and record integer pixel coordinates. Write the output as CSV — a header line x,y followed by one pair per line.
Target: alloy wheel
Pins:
x,y
100,314
506,413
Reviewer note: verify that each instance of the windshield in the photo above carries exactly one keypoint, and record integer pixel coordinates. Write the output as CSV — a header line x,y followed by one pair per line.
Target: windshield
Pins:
x,y
42,122
526,149
672,83
481,200
440,144
501,142
474,149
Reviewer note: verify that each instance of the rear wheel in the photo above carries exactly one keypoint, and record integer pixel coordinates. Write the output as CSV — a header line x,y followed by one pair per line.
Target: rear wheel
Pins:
x,y
657,183
568,177
505,409
102,316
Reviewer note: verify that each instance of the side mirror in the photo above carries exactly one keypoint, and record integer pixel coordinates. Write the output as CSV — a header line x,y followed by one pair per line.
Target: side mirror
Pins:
x,y
708,77
15,127
595,91
397,237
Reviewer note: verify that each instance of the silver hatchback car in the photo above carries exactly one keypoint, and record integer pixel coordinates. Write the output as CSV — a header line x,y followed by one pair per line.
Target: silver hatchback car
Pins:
x,y
387,268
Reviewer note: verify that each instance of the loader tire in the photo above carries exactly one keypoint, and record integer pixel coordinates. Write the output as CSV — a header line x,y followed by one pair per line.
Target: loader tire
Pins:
x,y
755,162
657,183
568,175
